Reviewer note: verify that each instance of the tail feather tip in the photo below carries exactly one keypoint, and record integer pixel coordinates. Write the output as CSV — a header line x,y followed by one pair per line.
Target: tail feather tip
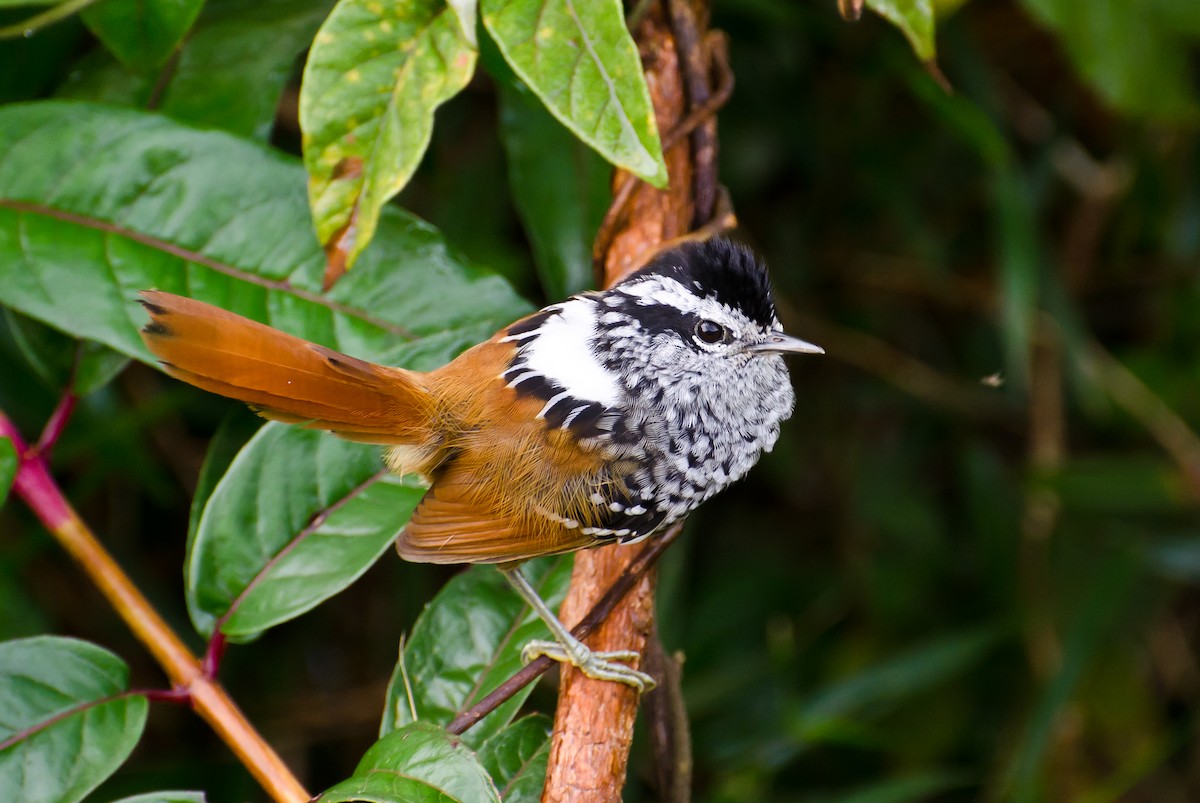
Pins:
x,y
157,329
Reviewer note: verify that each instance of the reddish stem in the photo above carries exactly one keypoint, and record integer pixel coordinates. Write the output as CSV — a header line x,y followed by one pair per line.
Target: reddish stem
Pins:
x,y
211,663
38,489
56,424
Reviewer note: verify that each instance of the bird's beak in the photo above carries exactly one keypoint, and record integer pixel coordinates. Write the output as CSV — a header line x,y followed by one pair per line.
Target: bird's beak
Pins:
x,y
780,343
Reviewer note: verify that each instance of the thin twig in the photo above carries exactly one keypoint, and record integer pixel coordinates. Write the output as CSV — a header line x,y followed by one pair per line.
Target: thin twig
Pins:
x,y
599,612
665,713
32,25
695,60
56,424
912,376
38,490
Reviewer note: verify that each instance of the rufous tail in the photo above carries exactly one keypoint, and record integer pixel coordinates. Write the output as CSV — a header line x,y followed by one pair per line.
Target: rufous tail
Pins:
x,y
285,377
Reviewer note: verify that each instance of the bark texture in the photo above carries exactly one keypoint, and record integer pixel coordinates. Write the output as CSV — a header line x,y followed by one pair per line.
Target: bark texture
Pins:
x,y
594,721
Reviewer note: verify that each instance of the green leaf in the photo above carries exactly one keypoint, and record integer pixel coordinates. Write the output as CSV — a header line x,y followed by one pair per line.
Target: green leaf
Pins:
x,y
1136,55
9,462
98,77
914,18
67,720
467,12
517,756
376,74
219,219
234,67
142,34
579,58
466,643
418,762
384,787
231,436
559,186
62,360
231,70
298,516
164,797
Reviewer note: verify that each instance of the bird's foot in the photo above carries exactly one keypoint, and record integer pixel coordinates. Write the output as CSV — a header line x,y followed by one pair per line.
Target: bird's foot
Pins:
x,y
596,665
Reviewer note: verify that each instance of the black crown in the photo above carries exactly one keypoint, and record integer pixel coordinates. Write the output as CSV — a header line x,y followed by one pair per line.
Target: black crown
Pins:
x,y
718,268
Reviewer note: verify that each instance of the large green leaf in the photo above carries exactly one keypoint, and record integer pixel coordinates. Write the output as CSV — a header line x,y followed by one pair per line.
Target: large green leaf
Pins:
x,y
231,70
579,58
8,467
560,187
376,74
226,443
298,516
67,719
419,755
164,797
219,219
466,643
516,758
1136,55
141,33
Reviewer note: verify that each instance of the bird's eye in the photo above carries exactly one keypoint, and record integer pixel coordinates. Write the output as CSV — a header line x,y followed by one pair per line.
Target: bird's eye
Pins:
x,y
710,332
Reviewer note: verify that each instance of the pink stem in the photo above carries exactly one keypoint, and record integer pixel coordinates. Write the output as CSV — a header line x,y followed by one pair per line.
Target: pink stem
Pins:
x,y
34,483
56,424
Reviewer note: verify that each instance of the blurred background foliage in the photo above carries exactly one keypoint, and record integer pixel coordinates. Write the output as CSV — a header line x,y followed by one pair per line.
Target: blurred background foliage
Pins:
x,y
970,570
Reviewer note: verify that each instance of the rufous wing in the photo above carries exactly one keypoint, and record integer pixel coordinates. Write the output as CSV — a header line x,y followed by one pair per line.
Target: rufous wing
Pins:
x,y
458,521
285,377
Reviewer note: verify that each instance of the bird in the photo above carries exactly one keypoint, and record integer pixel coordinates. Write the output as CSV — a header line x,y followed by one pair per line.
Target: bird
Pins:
x,y
603,418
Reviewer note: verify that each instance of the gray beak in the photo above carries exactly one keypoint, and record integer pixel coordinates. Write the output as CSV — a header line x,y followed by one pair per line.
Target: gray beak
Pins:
x,y
779,343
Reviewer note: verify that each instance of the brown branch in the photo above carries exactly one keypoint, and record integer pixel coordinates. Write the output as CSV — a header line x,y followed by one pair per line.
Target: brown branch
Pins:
x,y
593,725
667,724
694,61
37,489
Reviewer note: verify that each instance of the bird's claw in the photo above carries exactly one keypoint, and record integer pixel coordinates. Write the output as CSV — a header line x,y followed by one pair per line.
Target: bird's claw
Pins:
x,y
596,665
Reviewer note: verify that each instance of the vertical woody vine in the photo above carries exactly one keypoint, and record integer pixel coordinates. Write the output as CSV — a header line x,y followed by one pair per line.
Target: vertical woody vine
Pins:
x,y
688,77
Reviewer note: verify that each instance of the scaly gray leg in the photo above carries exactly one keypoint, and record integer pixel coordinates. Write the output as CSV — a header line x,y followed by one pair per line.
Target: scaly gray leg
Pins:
x,y
568,649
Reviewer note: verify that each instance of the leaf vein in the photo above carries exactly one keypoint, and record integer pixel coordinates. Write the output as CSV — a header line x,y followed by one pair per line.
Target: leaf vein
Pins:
x,y
206,261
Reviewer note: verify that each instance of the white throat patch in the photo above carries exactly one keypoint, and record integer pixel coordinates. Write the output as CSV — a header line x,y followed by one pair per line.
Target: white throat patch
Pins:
x,y
563,353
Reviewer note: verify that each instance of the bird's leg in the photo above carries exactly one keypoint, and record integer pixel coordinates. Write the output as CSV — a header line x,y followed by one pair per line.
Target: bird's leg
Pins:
x,y
568,649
